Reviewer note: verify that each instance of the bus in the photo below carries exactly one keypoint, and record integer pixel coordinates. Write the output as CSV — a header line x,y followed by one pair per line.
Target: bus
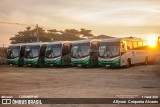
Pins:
x,y
35,54
58,53
124,52
15,54
84,53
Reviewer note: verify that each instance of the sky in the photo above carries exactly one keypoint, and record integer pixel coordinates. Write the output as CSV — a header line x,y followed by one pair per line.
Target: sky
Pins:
x,y
119,18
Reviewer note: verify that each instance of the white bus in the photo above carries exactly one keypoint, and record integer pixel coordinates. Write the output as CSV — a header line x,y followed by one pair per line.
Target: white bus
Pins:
x,y
35,54
15,54
58,53
124,52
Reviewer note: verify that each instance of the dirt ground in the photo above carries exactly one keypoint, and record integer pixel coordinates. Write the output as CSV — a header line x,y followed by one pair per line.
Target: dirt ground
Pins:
x,y
80,82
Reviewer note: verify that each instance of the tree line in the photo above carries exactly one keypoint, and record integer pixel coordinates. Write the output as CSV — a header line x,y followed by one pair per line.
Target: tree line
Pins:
x,y
31,34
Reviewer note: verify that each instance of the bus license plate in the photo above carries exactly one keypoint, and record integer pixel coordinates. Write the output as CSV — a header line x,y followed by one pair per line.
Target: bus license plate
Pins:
x,y
51,65
79,65
107,65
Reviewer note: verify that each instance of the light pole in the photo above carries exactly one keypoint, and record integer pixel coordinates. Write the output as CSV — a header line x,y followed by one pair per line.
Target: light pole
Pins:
x,y
37,33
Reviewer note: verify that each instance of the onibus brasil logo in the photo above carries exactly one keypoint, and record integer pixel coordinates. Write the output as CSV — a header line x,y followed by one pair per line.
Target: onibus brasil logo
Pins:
x,y
21,100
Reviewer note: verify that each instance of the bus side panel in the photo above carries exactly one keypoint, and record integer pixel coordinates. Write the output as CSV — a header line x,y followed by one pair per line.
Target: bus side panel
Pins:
x,y
151,55
42,56
21,59
94,53
94,59
66,54
66,59
123,59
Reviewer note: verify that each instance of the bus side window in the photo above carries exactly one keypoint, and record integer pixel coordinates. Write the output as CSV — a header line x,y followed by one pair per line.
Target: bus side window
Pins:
x,y
144,43
65,49
22,51
129,45
123,47
135,45
140,45
42,50
94,47
70,47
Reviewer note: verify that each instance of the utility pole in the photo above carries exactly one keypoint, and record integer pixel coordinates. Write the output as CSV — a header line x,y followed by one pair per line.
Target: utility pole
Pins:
x,y
37,33
3,54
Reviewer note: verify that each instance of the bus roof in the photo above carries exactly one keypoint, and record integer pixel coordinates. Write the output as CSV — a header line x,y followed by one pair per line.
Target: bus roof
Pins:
x,y
37,43
58,42
111,40
124,38
18,44
84,41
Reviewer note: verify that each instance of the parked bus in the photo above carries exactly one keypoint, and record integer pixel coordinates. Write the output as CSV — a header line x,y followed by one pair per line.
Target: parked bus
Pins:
x,y
35,54
124,52
58,53
84,53
15,54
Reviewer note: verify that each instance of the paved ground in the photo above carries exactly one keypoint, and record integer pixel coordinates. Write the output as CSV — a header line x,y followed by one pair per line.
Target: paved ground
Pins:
x,y
80,82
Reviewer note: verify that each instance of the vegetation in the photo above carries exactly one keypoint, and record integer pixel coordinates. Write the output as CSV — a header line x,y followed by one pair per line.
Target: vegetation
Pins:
x,y
3,54
39,34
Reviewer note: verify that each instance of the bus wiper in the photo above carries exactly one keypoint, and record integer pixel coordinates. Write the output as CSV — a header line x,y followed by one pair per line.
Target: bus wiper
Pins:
x,y
52,52
75,54
80,51
110,52
31,53
11,54
107,49
47,53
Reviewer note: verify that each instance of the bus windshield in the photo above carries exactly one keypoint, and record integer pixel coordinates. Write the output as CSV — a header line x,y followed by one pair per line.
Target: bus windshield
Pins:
x,y
80,50
53,50
13,51
32,51
109,50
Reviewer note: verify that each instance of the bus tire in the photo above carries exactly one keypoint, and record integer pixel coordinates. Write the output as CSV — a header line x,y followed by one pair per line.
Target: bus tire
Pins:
x,y
83,66
128,63
146,61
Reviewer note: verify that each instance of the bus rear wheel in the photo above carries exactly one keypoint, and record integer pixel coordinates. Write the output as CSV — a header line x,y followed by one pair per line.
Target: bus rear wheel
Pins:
x,y
128,63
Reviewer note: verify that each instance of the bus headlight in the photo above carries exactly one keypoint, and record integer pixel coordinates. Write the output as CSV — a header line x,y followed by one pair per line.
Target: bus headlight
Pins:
x,y
117,61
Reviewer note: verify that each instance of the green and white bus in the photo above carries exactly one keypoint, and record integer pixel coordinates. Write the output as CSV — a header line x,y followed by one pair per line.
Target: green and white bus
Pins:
x,y
124,52
15,54
84,53
35,54
58,53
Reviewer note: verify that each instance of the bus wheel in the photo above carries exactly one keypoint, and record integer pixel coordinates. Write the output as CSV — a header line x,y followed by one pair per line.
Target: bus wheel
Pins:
x,y
146,61
83,66
128,63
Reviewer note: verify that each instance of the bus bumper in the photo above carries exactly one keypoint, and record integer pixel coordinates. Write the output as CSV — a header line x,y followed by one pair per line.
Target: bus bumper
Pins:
x,y
53,62
13,61
33,62
114,63
81,63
